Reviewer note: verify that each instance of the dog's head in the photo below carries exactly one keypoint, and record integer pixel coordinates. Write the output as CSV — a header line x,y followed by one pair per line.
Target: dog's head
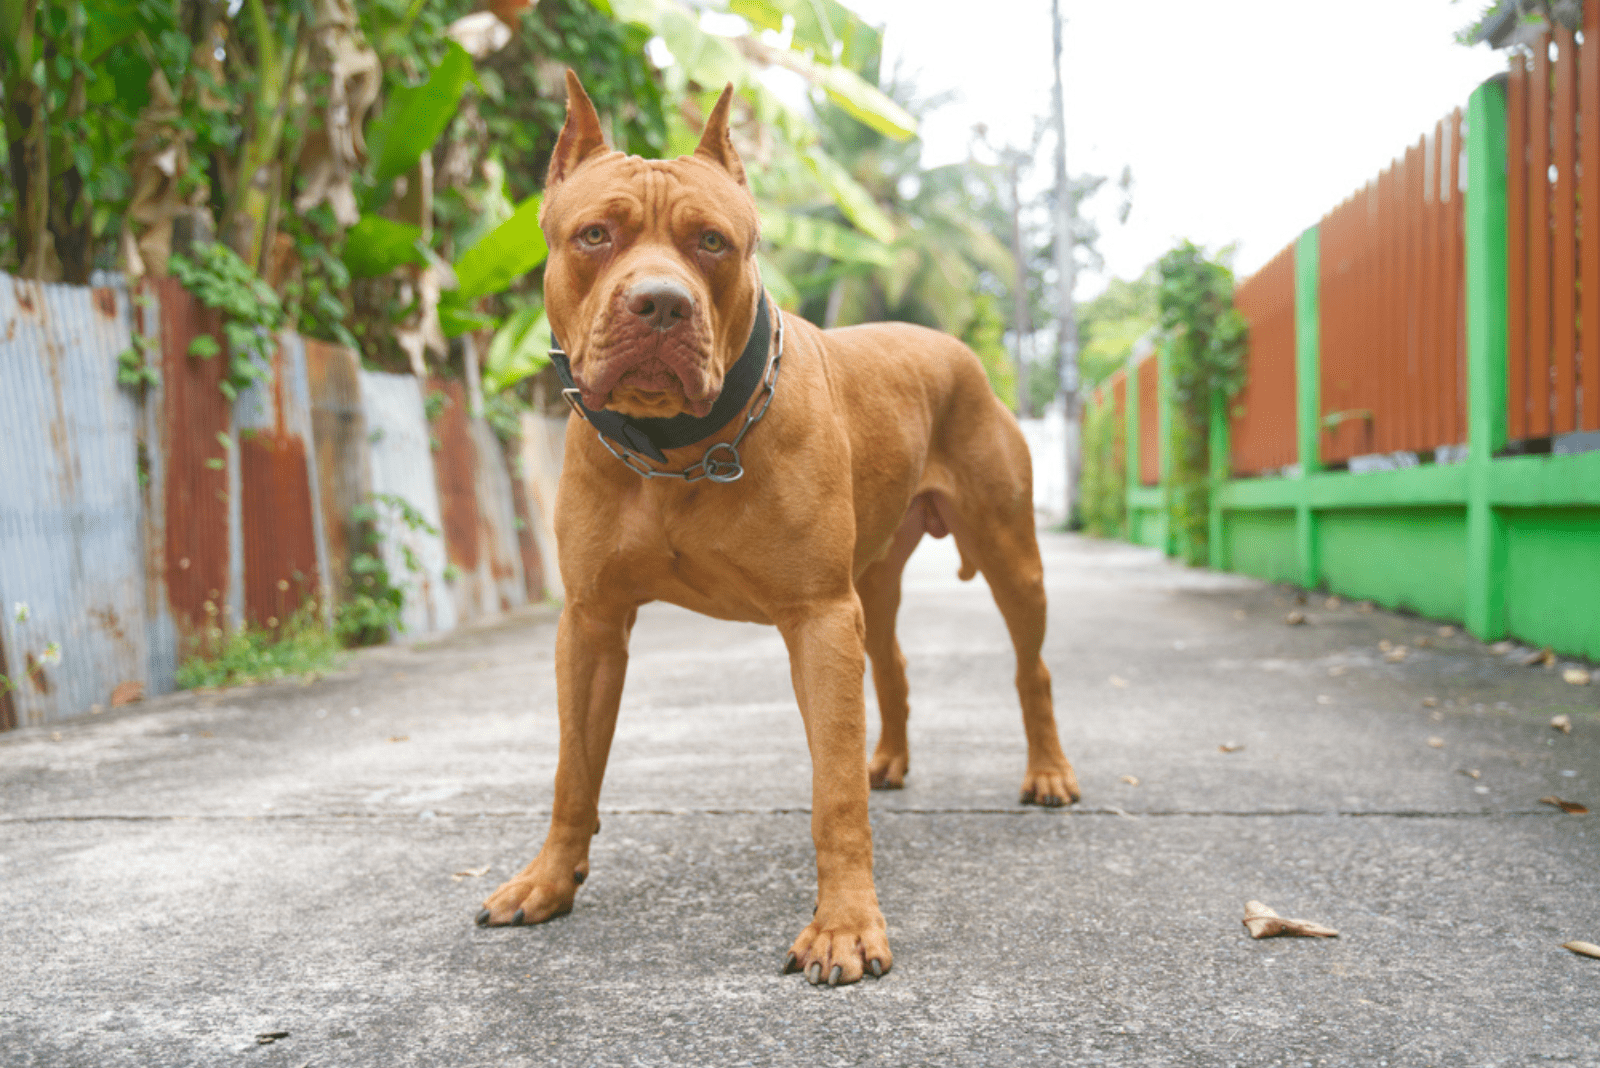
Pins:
x,y
652,282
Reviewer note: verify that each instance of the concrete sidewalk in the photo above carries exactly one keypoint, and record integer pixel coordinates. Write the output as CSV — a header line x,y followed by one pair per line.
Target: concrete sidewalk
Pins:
x,y
182,876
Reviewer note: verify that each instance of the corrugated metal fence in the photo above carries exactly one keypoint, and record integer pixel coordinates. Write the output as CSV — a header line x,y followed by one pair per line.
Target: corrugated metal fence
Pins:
x,y
136,523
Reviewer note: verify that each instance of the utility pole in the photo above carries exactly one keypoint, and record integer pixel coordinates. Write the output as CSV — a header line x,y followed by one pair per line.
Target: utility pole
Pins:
x,y
1020,326
1066,317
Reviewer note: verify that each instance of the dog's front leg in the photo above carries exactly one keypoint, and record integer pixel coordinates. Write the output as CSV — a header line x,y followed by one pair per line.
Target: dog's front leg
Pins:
x,y
846,936
591,660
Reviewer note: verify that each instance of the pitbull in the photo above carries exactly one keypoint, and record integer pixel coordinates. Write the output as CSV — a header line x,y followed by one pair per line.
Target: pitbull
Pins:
x,y
738,461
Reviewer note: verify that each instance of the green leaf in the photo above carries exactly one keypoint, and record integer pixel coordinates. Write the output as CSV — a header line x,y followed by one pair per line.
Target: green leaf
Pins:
x,y
783,291
456,319
415,115
374,246
204,346
856,203
519,350
811,234
866,102
762,14
707,58
510,250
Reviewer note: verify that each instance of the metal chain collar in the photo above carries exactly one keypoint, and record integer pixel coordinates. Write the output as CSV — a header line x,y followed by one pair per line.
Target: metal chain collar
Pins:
x,y
719,463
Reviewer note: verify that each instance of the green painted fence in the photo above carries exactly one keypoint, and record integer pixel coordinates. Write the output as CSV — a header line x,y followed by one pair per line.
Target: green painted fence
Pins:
x,y
1509,545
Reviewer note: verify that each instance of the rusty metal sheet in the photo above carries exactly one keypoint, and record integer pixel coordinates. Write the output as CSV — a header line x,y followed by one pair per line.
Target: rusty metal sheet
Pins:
x,y
339,437
71,552
1148,380
196,498
543,439
284,563
501,581
402,467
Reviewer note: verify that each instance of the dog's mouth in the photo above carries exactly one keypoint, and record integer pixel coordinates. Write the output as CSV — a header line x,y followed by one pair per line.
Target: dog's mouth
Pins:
x,y
651,378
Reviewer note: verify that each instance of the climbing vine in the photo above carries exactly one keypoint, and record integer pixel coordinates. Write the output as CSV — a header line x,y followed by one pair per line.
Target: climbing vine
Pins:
x,y
1103,499
1205,339
252,314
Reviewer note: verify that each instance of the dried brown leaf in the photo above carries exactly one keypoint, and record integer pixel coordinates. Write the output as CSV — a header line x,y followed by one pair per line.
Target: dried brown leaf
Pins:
x,y
1571,808
1118,681
470,873
399,737
1295,619
1562,723
1502,648
1539,658
1436,742
1446,631
1577,676
1262,922
267,1038
1230,747
1423,642
1385,645
1583,949
1471,773
1131,780
1430,702
1397,654
1332,603
127,693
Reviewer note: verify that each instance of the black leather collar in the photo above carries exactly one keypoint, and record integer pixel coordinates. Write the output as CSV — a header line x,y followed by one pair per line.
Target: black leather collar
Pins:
x,y
650,437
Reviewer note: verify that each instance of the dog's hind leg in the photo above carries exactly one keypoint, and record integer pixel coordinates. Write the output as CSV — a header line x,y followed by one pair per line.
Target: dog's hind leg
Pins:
x,y
591,661
879,590
994,529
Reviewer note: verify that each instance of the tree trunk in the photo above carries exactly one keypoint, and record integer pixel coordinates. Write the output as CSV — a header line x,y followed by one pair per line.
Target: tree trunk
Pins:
x,y
1066,317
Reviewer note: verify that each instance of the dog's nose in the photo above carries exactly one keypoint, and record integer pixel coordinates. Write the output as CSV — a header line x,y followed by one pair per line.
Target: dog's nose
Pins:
x,y
661,302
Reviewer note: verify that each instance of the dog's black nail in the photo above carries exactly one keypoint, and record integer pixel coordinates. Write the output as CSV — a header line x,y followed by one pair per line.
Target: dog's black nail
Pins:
x,y
814,973
596,826
833,976
877,967
791,963
813,910
516,920
579,876
483,918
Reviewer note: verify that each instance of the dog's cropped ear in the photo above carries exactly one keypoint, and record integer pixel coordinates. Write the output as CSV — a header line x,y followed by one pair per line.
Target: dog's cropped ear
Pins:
x,y
580,135
716,146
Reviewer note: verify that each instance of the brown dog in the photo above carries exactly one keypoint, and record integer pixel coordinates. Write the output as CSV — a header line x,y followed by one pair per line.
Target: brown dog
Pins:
x,y
869,438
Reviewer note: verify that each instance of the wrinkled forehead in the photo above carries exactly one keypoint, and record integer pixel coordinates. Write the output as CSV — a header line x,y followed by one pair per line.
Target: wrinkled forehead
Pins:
x,y
643,192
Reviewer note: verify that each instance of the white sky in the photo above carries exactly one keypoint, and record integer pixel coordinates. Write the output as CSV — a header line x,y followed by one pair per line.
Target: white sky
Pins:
x,y
1243,120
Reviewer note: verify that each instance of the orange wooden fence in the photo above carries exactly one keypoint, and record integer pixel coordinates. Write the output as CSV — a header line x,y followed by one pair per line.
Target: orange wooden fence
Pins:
x,y
1390,281
1261,428
1147,385
1553,170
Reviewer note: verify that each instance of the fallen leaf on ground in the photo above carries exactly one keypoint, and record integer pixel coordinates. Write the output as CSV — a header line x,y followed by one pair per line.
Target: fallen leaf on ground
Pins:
x,y
1295,618
1385,645
399,737
1230,747
1436,742
1562,723
1423,642
1471,773
1430,702
1539,658
1397,654
1331,603
267,1038
1262,922
1501,648
471,873
1583,949
1363,606
127,693
1118,681
1131,780
1576,676
1446,631
1571,808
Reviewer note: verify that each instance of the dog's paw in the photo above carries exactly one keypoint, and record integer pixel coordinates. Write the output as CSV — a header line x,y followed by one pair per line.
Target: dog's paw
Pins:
x,y
532,897
840,948
1050,787
887,771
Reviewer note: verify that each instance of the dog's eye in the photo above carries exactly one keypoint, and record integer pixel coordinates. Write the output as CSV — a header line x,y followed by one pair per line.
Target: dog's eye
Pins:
x,y
713,241
594,235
